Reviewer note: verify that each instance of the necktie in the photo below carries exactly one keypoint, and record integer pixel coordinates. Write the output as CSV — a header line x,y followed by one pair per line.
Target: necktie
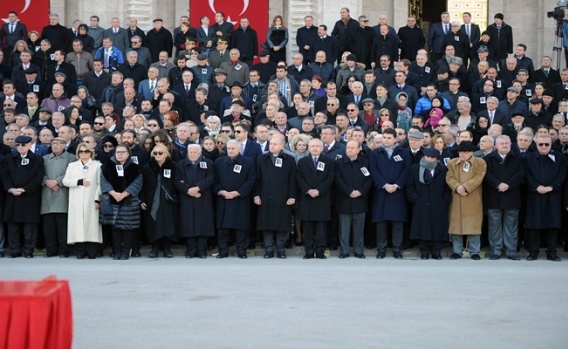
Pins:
x,y
57,68
12,27
357,98
546,72
445,29
151,86
427,177
315,162
491,116
467,30
242,148
107,58
186,90
115,30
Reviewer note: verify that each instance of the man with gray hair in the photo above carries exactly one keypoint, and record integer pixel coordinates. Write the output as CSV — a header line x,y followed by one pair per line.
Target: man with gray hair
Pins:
x,y
133,69
458,39
316,174
505,173
235,179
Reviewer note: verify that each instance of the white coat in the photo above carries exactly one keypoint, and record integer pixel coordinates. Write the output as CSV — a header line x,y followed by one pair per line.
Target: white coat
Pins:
x,y
83,222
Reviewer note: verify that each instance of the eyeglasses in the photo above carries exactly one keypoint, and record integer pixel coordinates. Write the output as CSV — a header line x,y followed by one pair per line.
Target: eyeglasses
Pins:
x,y
21,144
158,153
7,105
351,109
539,144
482,121
99,123
239,131
385,114
84,152
108,146
400,133
219,142
366,20
226,131
330,104
152,125
135,42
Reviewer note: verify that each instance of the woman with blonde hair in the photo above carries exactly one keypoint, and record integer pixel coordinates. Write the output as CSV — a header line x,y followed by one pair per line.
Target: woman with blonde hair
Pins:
x,y
140,123
160,201
82,177
276,39
19,46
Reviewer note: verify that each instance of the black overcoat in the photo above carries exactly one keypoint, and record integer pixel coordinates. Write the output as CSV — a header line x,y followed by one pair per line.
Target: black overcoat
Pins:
x,y
430,212
309,177
510,171
349,176
195,214
274,186
234,213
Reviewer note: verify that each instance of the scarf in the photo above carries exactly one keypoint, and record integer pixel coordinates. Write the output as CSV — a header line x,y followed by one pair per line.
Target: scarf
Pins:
x,y
425,165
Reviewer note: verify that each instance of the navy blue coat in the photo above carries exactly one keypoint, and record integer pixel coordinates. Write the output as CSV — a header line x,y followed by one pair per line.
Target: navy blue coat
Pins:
x,y
309,177
544,211
389,206
234,213
430,214
275,185
348,177
195,214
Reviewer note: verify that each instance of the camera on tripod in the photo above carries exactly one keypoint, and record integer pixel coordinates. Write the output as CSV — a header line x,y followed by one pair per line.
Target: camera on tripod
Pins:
x,y
558,13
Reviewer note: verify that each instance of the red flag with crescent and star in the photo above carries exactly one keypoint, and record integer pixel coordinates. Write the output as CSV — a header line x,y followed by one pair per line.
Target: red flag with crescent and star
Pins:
x,y
255,10
33,13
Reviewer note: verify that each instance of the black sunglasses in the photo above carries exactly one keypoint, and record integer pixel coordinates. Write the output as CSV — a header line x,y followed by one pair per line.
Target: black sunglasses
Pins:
x,y
158,153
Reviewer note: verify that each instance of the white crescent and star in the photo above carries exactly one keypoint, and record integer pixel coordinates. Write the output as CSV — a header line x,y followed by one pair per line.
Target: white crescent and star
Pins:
x,y
29,2
212,7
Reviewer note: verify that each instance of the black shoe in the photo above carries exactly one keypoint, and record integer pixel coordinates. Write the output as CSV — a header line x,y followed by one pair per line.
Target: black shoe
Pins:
x,y
321,256
343,255
566,247
124,257
455,256
135,253
153,254
48,255
281,255
168,254
16,254
437,256
203,255
63,255
532,256
288,244
381,255
494,257
551,256
29,255
475,257
309,256
425,256
243,256
362,256
397,255
268,255
514,258
222,255
116,256
80,256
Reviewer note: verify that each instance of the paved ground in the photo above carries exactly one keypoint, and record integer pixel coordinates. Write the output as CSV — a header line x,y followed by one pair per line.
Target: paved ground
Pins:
x,y
295,303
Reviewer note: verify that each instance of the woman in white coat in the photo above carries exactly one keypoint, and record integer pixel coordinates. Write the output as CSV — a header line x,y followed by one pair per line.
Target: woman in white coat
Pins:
x,y
83,179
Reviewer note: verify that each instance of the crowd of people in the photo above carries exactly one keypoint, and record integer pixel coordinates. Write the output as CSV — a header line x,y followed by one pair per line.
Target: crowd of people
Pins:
x,y
117,137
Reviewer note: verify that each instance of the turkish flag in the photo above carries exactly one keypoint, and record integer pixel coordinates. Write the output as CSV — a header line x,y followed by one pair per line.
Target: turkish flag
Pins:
x,y
33,13
255,10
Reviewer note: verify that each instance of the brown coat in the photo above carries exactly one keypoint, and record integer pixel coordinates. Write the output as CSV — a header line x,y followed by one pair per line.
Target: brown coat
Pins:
x,y
466,212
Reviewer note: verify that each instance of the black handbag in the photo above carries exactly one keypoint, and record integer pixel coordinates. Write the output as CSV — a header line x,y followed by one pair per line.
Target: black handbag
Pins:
x,y
170,197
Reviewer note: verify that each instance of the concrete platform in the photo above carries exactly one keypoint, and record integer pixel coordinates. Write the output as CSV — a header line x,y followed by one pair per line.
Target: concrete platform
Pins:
x,y
296,303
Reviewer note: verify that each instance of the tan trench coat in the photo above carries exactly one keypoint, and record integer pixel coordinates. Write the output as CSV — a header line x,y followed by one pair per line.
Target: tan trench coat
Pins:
x,y
466,212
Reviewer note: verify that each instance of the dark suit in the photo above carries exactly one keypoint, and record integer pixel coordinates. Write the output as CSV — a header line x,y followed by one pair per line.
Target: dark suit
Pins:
x,y
307,36
8,39
498,118
337,151
502,40
252,150
474,32
435,39
203,38
314,212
